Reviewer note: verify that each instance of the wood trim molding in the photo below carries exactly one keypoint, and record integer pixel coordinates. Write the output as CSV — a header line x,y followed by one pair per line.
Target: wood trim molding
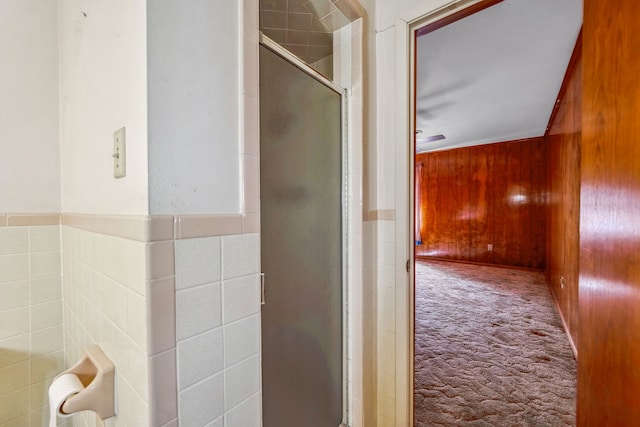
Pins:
x,y
565,326
457,16
575,55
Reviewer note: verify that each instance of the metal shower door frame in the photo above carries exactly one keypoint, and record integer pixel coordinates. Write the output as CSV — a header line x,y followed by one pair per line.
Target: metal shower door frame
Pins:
x,y
344,140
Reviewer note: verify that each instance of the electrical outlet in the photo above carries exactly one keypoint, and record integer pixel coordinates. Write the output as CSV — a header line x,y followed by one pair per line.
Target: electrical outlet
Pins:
x,y
490,247
119,153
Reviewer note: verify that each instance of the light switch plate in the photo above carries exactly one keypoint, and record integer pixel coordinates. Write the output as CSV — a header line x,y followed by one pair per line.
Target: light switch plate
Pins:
x,y
119,153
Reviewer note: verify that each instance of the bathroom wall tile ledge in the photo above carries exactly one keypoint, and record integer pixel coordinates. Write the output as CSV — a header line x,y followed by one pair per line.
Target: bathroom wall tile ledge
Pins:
x,y
142,228
29,219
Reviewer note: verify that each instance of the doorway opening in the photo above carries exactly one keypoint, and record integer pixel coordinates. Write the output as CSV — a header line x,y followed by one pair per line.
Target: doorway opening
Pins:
x,y
479,190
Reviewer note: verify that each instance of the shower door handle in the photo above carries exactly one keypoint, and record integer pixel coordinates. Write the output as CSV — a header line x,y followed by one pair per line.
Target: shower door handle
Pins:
x,y
262,298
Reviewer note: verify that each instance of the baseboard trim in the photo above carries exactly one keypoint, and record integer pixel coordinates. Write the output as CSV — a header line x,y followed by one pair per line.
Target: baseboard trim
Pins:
x,y
462,261
574,349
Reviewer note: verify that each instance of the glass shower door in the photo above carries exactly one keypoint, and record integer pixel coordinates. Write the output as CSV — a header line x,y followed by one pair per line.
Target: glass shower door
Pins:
x,y
301,232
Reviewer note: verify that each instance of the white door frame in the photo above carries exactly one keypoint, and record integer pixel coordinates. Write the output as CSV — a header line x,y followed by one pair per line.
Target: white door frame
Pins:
x,y
406,25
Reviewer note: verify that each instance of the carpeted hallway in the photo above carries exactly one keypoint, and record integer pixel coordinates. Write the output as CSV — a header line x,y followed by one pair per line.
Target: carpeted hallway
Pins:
x,y
490,349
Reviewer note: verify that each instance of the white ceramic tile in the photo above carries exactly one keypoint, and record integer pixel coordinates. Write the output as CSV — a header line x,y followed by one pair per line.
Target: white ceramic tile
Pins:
x,y
138,374
14,377
47,366
216,423
137,318
14,295
13,240
14,349
240,255
387,253
387,319
44,238
246,414
115,303
197,262
14,268
103,294
132,408
14,322
40,393
241,381
135,266
42,264
386,275
198,310
387,298
40,417
46,315
201,403
116,348
241,339
14,404
46,341
112,258
199,357
241,298
45,289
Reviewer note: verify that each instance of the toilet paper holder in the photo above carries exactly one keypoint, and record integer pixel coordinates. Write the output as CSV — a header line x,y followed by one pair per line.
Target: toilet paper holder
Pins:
x,y
97,374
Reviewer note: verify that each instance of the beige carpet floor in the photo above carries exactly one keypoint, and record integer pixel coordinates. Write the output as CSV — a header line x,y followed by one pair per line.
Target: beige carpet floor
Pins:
x,y
490,349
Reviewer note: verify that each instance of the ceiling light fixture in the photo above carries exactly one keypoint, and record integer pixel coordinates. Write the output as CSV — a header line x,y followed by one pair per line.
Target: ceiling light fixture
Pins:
x,y
431,138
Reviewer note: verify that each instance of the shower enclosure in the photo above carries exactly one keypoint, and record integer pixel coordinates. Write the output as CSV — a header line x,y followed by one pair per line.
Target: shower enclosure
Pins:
x,y
302,206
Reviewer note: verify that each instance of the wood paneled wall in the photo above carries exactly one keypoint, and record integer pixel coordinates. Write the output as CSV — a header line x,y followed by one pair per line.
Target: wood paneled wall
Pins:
x,y
485,195
563,183
609,335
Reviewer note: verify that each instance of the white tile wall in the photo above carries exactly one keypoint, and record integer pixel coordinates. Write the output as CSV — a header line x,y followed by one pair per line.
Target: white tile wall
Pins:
x,y
218,330
386,325
198,309
370,319
31,338
105,303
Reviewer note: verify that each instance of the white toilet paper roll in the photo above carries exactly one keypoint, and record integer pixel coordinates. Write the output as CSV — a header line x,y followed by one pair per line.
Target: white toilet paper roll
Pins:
x,y
63,387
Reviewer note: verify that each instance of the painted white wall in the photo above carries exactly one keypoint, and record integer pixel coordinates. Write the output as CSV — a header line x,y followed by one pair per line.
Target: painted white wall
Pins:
x,y
193,90
29,157
103,87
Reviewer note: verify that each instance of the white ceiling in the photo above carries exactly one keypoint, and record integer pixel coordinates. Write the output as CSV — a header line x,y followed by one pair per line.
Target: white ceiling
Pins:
x,y
495,75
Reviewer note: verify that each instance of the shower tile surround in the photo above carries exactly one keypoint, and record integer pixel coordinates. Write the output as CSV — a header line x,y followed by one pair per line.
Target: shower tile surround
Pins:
x,y
306,27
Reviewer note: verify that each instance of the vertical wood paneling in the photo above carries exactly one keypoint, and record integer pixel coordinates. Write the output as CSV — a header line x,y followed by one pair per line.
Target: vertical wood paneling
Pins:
x,y
484,195
489,235
563,177
538,196
609,301
513,230
462,239
499,200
